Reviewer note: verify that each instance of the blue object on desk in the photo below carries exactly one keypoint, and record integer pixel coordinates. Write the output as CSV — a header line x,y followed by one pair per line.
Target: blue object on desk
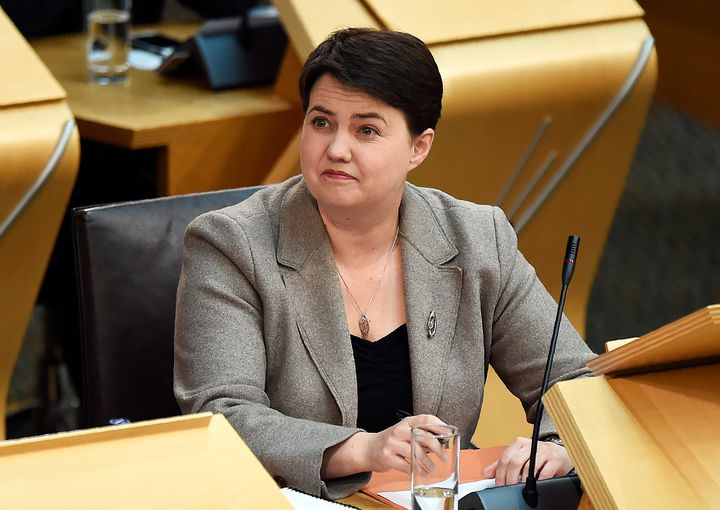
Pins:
x,y
118,421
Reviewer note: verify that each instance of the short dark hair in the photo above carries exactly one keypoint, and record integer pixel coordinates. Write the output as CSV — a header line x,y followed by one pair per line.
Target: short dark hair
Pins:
x,y
395,67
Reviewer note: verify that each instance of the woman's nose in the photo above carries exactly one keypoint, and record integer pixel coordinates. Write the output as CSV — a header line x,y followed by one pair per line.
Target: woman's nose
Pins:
x,y
339,148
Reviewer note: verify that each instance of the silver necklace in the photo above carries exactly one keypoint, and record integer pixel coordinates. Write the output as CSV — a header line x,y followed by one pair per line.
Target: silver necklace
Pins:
x,y
363,322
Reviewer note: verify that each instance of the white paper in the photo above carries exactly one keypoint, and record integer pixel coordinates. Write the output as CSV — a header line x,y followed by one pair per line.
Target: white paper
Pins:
x,y
144,60
403,499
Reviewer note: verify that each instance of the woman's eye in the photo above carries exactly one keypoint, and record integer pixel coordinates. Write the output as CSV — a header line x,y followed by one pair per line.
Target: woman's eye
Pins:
x,y
320,123
368,131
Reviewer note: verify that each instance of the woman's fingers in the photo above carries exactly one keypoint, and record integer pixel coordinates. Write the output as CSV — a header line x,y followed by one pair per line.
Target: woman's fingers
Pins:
x,y
426,445
512,462
555,461
421,458
513,465
430,444
490,470
390,448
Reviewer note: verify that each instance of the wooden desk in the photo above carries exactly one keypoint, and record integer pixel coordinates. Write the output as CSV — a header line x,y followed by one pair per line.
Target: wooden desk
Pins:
x,y
207,140
364,502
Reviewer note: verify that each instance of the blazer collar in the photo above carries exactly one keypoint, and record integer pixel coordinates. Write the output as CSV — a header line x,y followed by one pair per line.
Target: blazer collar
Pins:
x,y
432,289
314,292
301,230
432,296
420,227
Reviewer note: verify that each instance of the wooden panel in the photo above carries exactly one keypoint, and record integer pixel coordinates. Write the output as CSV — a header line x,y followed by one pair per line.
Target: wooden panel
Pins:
x,y
437,22
585,503
226,154
680,411
364,502
190,462
32,118
611,345
693,337
29,137
309,22
149,110
688,41
23,76
620,465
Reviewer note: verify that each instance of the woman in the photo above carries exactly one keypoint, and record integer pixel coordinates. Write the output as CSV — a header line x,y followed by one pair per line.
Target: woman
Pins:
x,y
315,311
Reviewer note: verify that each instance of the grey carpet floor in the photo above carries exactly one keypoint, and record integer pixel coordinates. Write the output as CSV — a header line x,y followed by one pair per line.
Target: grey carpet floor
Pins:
x,y
662,259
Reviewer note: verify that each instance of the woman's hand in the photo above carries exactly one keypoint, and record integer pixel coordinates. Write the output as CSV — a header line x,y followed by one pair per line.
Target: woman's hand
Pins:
x,y
512,466
380,451
390,449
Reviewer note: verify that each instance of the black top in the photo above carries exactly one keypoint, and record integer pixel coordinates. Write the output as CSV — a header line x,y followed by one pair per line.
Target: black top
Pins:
x,y
383,379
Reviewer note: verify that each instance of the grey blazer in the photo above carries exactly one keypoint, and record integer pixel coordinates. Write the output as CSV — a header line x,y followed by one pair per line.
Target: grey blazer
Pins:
x,y
261,334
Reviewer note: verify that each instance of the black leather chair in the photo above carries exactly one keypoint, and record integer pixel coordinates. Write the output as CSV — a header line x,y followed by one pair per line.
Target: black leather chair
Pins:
x,y
128,258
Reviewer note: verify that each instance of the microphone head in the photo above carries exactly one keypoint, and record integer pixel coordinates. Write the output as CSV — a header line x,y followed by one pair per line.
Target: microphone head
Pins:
x,y
571,253
573,243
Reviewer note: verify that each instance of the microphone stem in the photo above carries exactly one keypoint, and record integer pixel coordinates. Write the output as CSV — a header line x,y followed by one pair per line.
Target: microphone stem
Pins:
x,y
530,489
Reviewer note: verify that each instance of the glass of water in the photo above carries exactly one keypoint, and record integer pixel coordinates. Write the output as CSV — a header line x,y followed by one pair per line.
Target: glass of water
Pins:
x,y
435,464
108,41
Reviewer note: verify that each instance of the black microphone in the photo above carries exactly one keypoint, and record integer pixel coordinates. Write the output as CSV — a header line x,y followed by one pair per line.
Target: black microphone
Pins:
x,y
559,493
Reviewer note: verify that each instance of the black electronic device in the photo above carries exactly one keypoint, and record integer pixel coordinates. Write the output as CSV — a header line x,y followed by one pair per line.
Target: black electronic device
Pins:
x,y
154,42
233,52
561,493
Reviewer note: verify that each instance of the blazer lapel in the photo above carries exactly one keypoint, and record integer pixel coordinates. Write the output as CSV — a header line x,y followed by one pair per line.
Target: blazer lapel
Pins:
x,y
432,295
315,293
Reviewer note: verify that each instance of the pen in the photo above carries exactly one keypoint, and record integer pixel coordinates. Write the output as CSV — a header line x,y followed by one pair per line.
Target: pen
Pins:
x,y
400,415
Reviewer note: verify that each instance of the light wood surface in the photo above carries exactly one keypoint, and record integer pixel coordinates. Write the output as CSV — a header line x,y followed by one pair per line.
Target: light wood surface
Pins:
x,y
693,337
32,117
611,345
646,441
208,140
364,502
189,462
35,83
309,22
472,19
585,503
680,410
688,41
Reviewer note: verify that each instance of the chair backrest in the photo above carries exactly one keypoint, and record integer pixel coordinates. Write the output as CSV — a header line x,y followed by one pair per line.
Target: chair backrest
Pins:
x,y
128,258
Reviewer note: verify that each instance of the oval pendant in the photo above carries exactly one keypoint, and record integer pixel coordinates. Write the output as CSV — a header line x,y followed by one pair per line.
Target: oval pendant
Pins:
x,y
364,325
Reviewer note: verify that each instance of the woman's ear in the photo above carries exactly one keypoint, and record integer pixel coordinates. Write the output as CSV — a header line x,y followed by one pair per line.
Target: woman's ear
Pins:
x,y
421,145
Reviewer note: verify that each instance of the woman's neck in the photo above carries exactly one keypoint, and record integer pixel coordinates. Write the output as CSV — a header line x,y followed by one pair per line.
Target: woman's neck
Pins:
x,y
360,237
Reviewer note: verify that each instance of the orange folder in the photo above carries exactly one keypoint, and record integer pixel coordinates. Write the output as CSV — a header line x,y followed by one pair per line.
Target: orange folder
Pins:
x,y
472,463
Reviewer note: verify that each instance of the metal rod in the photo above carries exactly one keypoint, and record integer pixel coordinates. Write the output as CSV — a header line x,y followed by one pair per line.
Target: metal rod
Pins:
x,y
591,134
44,176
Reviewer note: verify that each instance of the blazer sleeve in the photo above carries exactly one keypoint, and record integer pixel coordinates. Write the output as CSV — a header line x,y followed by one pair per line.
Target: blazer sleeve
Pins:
x,y
220,363
523,320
